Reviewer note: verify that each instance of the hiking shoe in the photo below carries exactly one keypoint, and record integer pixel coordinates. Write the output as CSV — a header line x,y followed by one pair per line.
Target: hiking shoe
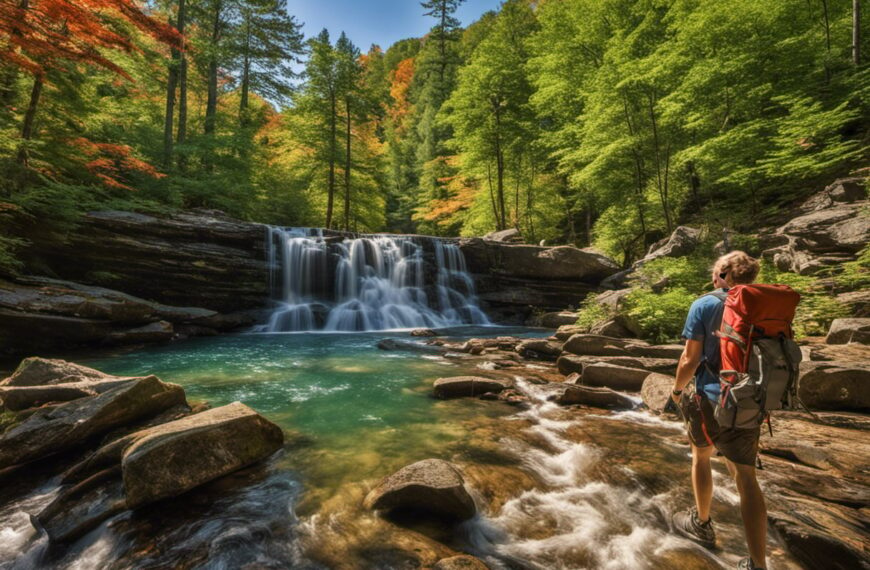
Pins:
x,y
688,524
748,564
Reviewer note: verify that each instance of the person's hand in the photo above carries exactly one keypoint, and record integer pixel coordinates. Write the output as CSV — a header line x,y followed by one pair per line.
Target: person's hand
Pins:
x,y
676,397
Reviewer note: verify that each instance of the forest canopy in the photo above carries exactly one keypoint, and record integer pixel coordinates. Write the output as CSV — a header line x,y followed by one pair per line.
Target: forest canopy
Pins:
x,y
593,122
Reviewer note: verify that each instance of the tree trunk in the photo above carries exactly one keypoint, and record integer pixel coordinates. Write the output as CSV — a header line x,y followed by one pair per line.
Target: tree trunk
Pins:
x,y
211,101
856,32
347,164
491,194
171,86
499,167
181,136
29,118
331,190
246,73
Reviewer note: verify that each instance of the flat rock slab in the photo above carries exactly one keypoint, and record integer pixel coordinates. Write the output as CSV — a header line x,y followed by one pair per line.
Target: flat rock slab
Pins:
x,y
596,397
463,386
50,431
17,398
597,345
614,376
36,371
570,364
169,459
661,365
835,385
431,485
671,351
844,331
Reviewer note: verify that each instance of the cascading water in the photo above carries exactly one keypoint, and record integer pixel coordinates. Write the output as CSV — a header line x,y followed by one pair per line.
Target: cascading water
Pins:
x,y
366,283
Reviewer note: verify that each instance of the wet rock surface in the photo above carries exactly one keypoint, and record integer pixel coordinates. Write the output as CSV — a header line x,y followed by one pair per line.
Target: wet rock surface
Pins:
x,y
431,485
467,386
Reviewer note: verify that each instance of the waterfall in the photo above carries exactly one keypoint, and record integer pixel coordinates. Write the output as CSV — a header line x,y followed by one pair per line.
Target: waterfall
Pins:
x,y
366,282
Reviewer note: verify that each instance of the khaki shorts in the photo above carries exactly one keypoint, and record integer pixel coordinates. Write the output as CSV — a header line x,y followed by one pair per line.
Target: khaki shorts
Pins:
x,y
737,445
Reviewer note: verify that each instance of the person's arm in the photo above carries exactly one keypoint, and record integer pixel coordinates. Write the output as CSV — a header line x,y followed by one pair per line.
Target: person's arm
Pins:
x,y
689,361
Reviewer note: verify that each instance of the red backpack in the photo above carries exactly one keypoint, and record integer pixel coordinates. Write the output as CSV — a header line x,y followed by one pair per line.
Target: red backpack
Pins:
x,y
759,356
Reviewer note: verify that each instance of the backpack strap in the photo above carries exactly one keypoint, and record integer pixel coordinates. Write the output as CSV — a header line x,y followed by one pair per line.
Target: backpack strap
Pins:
x,y
720,294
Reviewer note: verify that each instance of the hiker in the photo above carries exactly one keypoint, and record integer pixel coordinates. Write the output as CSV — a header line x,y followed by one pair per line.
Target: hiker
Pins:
x,y
701,361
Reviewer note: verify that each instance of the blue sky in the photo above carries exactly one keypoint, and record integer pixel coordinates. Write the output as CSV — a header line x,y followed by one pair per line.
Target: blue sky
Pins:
x,y
380,22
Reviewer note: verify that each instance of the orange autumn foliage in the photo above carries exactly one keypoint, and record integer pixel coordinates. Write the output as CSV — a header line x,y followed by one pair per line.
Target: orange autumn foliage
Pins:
x,y
38,35
111,163
400,82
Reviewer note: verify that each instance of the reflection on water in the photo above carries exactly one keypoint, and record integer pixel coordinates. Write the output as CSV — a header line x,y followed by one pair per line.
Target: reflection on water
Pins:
x,y
557,488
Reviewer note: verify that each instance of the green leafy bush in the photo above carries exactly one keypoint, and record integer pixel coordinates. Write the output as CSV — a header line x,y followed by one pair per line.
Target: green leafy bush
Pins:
x,y
660,316
591,312
855,275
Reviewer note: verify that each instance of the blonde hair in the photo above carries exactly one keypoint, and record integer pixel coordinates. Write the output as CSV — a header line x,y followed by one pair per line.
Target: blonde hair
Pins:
x,y
741,267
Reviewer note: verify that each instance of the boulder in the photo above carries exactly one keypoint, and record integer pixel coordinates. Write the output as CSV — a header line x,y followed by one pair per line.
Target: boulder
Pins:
x,y
682,241
835,385
565,332
597,397
423,332
431,485
842,190
69,425
857,301
159,462
539,349
462,386
510,235
172,458
839,227
614,376
36,371
462,562
570,364
844,331
614,327
656,391
597,345
557,319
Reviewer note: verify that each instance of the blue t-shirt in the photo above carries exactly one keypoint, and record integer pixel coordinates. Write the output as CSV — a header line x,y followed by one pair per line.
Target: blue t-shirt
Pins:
x,y
705,316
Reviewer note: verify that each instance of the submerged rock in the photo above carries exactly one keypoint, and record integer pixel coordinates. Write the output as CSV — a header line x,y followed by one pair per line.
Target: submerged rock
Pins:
x,y
431,485
462,386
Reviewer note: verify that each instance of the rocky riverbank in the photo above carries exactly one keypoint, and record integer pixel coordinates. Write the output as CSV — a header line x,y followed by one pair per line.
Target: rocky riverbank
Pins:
x,y
121,442
814,465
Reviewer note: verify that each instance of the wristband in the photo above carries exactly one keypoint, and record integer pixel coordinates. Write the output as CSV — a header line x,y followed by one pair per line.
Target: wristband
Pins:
x,y
676,392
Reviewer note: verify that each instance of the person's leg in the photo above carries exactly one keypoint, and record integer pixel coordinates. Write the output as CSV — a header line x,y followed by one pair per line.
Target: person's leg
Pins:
x,y
702,480
753,511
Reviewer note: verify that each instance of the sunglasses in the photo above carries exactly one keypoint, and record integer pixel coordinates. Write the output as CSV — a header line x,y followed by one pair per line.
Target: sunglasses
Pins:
x,y
723,275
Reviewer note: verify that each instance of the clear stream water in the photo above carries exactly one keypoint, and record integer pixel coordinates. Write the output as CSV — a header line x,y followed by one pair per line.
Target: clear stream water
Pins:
x,y
558,488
